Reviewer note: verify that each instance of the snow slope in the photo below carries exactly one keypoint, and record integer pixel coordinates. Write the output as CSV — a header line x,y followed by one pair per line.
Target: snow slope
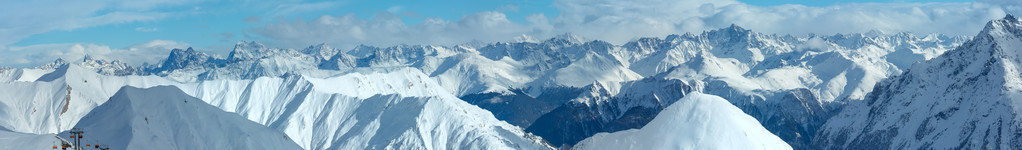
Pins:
x,y
967,98
58,99
164,117
366,108
698,121
16,140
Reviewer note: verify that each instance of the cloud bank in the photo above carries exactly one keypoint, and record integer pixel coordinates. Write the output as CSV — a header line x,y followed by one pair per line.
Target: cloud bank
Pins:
x,y
615,21
145,52
619,21
25,18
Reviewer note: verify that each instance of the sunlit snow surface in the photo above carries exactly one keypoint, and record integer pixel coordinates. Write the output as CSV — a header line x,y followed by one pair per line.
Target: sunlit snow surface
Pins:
x,y
698,121
408,96
967,98
368,109
164,117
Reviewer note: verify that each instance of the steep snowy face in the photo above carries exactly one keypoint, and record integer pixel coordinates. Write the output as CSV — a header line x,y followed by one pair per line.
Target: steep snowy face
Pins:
x,y
967,98
164,117
182,59
366,109
698,121
321,51
114,67
592,62
339,61
402,55
652,56
55,101
741,44
243,51
248,60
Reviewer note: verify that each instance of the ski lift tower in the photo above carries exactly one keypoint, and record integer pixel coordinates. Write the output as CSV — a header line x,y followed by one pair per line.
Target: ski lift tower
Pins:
x,y
76,136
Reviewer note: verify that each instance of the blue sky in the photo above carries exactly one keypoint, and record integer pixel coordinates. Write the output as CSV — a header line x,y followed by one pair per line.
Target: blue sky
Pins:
x,y
47,30
223,23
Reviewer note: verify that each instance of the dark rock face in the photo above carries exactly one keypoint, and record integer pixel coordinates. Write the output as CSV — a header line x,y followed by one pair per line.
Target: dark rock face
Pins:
x,y
518,108
594,111
793,115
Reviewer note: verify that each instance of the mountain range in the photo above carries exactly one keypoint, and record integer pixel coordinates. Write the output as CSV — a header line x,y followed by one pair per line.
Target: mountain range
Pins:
x,y
842,91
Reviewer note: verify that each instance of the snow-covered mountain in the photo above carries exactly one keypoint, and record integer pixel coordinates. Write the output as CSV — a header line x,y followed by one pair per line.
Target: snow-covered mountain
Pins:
x,y
365,108
17,140
399,108
164,117
698,121
967,98
792,84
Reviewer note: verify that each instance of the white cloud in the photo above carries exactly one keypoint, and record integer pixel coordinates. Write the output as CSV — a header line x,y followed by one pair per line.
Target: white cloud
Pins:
x,y
619,21
25,18
948,18
395,9
287,8
1010,6
662,17
388,29
34,55
144,29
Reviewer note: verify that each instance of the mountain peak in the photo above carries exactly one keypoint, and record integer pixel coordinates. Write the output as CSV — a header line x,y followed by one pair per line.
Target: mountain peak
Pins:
x,y
241,51
166,108
1008,24
55,64
735,27
321,51
59,61
179,59
733,30
875,33
566,37
525,38
242,46
1009,17
87,58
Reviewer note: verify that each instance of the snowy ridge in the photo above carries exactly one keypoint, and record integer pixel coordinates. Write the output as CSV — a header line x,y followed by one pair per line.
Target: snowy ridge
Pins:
x,y
399,109
58,99
16,140
315,113
698,121
967,98
814,74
